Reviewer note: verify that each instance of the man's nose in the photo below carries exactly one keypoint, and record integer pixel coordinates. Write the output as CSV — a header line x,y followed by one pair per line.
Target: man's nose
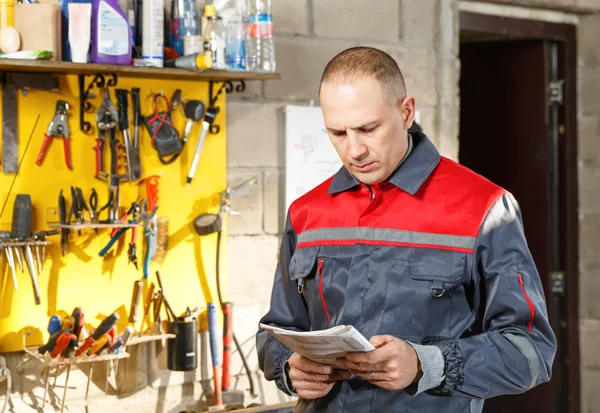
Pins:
x,y
356,148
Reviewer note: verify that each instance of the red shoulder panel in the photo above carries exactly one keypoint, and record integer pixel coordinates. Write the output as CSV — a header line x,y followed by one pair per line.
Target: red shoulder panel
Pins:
x,y
454,200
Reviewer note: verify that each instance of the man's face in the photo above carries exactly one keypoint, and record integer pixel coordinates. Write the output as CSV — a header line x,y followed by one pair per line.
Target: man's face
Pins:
x,y
368,131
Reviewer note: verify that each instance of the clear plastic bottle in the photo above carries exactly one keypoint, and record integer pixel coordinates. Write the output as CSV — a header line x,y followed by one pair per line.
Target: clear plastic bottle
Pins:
x,y
260,45
185,22
214,37
235,56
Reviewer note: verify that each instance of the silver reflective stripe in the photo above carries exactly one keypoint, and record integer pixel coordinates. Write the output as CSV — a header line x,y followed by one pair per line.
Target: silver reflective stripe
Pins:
x,y
388,235
529,352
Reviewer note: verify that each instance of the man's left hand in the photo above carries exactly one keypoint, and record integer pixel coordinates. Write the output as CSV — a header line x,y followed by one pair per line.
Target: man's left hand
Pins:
x,y
393,365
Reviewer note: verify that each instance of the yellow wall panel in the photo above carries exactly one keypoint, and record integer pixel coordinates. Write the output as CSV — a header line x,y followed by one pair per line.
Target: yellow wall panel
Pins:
x,y
82,278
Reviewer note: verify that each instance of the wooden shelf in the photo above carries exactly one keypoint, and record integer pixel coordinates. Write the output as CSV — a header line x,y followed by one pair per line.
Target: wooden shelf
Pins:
x,y
86,225
148,338
52,67
59,361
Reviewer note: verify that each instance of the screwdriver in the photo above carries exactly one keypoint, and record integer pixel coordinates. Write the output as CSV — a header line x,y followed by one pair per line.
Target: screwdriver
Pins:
x,y
103,328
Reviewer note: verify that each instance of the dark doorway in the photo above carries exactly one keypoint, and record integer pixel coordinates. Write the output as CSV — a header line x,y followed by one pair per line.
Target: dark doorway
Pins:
x,y
517,128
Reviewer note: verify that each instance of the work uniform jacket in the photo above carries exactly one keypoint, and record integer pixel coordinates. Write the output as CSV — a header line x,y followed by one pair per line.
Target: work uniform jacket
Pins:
x,y
436,256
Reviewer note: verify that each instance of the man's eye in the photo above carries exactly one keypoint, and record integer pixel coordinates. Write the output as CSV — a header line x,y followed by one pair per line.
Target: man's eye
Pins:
x,y
339,133
369,130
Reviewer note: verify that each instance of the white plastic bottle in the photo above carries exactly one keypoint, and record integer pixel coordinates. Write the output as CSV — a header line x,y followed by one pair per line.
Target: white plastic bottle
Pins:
x,y
153,32
214,37
235,55
260,45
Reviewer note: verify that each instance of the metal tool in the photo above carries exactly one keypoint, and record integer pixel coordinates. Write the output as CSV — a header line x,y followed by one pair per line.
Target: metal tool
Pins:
x,y
106,121
132,149
11,263
138,287
212,331
103,328
42,237
58,127
19,257
33,274
227,309
209,117
147,302
21,230
62,213
10,110
194,111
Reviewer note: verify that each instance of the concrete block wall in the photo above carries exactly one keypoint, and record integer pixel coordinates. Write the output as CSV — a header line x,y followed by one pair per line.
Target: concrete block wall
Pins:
x,y
589,204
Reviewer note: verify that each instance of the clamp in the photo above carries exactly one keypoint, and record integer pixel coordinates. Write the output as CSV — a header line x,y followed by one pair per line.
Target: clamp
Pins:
x,y
58,127
106,121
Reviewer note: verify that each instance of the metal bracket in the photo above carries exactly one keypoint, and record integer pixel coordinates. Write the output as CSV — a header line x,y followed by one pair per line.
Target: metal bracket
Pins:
x,y
10,111
557,282
556,92
85,94
229,87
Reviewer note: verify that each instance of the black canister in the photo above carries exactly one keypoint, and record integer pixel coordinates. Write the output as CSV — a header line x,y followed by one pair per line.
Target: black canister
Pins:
x,y
183,349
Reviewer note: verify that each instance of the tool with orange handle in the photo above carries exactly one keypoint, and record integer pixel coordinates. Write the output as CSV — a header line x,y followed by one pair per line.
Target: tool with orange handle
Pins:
x,y
103,328
227,338
62,343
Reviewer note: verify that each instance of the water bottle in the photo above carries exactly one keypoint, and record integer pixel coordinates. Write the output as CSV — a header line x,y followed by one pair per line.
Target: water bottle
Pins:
x,y
260,45
185,22
235,55
214,37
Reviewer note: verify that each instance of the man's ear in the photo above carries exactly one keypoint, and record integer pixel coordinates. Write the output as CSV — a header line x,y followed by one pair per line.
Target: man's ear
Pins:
x,y
407,108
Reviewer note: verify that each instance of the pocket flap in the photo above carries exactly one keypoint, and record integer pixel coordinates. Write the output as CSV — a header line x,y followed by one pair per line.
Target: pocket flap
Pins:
x,y
302,262
448,266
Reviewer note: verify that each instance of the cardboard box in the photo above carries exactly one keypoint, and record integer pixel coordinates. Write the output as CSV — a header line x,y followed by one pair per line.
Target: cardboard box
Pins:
x,y
39,26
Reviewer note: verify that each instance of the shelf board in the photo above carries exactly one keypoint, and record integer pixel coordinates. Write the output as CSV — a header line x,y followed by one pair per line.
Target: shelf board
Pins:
x,y
53,67
148,338
59,361
92,225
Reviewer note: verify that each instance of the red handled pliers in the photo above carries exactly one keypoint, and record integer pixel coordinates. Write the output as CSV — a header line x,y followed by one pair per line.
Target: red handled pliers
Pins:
x,y
57,128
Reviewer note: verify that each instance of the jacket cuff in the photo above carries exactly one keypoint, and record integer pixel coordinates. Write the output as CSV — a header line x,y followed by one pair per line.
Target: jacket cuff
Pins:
x,y
287,380
432,365
279,372
453,366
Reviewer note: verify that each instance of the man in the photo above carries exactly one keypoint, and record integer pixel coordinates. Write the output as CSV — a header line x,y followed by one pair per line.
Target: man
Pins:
x,y
424,257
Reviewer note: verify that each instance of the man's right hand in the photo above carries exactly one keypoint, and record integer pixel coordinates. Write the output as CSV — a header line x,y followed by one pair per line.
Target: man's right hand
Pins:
x,y
312,380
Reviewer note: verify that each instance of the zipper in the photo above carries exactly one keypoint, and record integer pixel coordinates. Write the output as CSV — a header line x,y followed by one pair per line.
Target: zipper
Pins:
x,y
320,274
529,303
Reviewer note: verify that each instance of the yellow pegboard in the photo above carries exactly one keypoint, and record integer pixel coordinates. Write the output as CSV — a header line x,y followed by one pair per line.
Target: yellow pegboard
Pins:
x,y
82,278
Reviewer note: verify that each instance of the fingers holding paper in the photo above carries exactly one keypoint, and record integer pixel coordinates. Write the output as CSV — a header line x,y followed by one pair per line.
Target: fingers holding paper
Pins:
x,y
393,365
312,380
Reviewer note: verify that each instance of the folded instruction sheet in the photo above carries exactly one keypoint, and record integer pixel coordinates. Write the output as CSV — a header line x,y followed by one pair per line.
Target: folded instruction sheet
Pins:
x,y
322,346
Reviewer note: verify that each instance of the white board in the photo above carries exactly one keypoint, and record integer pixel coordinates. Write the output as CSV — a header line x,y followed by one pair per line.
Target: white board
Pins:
x,y
309,155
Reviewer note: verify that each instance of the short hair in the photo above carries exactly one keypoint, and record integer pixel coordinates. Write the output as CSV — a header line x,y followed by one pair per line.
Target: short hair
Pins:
x,y
367,61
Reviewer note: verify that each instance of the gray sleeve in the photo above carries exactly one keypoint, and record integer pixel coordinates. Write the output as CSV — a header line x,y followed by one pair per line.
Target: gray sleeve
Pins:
x,y
432,365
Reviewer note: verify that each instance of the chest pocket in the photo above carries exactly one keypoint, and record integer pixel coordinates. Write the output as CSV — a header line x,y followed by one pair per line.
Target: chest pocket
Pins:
x,y
437,278
422,294
313,275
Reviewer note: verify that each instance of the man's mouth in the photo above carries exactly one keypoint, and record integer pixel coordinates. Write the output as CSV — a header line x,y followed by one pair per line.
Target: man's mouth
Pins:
x,y
364,168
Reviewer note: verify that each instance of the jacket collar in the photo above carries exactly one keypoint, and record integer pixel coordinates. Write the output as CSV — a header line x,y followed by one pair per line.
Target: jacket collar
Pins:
x,y
411,173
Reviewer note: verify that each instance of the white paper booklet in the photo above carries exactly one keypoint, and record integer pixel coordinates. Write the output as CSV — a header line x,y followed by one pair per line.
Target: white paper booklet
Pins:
x,y
322,346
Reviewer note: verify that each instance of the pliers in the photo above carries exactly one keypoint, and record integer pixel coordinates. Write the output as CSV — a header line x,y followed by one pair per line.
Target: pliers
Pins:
x,y
106,122
58,127
62,210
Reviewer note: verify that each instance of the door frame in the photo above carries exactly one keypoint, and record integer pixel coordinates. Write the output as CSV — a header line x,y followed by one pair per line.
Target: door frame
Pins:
x,y
566,35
